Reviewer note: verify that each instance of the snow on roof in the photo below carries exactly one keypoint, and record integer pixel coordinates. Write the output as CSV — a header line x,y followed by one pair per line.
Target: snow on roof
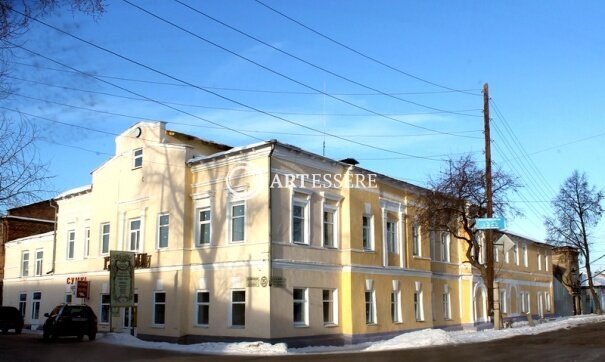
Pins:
x,y
228,152
74,191
35,237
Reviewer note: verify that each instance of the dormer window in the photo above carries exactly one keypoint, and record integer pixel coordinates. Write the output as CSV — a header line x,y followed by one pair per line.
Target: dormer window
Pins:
x,y
137,158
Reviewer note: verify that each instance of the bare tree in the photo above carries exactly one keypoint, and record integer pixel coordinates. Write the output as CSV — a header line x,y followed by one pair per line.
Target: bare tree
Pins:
x,y
577,211
457,198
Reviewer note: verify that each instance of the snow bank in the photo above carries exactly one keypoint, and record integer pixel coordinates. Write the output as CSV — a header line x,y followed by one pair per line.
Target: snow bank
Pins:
x,y
417,339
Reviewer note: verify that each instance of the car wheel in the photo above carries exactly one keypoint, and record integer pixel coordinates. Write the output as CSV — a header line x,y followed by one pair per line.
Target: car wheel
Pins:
x,y
92,336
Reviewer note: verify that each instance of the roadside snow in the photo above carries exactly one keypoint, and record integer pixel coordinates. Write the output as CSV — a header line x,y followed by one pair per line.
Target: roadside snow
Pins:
x,y
416,339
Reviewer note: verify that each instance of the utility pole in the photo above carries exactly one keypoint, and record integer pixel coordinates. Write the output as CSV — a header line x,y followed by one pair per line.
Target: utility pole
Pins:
x,y
492,301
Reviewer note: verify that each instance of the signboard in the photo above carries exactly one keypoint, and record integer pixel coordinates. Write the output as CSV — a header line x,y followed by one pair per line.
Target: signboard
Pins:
x,y
506,243
121,278
82,288
266,282
490,223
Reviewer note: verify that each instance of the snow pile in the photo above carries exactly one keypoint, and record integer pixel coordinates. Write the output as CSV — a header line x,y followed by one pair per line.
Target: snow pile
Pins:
x,y
239,348
416,339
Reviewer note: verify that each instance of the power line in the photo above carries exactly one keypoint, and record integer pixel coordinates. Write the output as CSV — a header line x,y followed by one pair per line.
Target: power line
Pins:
x,y
278,50
248,90
272,71
363,54
233,109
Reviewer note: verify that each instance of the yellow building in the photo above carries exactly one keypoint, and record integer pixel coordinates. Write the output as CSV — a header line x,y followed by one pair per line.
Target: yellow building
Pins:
x,y
266,241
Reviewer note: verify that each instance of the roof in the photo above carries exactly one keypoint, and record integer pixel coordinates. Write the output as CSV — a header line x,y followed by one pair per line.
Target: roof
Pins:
x,y
188,137
74,191
516,235
598,278
35,237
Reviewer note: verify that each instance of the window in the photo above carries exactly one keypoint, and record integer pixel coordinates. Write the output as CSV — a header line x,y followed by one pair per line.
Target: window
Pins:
x,y
135,234
163,227
204,221
71,243
367,235
447,308
525,302
396,306
329,225
299,226
370,300
418,303
68,298
330,306
238,222
516,254
203,308
539,260
137,158
300,306
503,304
496,254
105,238
39,260
105,310
546,266
37,297
238,308
86,242
25,263
392,236
525,261
445,246
547,298
432,245
506,259
22,303
159,308
416,240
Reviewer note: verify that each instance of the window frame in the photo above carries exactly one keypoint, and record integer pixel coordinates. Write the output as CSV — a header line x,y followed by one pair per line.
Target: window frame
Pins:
x,y
232,306
369,229
447,305
205,223
137,159
136,232
392,236
396,316
87,241
370,307
156,304
22,303
104,236
24,263
36,304
416,240
105,305
303,305
305,227
332,304
161,227
418,305
71,244
39,264
202,304
525,255
333,210
445,245
232,218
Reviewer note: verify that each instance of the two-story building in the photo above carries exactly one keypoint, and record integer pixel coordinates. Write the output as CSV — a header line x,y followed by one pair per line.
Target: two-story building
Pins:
x,y
266,241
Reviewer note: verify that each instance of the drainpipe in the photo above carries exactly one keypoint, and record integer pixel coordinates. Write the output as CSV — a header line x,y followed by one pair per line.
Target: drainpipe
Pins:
x,y
270,218
56,207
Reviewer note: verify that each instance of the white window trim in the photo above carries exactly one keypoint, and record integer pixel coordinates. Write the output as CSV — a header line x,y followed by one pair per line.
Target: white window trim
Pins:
x,y
39,272
547,302
445,247
231,205
395,224
419,316
198,227
135,157
197,309
372,246
334,295
447,305
34,301
87,242
159,226
398,314
230,311
305,304
139,233
417,242
306,205
23,253
335,225
516,253
503,301
372,307
101,304
525,255
101,233
153,304
69,242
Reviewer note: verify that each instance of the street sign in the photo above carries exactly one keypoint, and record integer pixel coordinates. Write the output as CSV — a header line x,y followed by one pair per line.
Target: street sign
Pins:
x,y
82,288
505,242
490,223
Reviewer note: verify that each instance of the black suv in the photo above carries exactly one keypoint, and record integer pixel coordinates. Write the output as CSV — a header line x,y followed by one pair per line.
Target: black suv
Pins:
x,y
10,318
70,320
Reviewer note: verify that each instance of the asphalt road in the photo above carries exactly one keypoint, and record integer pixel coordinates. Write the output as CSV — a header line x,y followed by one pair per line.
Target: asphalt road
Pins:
x,y
584,343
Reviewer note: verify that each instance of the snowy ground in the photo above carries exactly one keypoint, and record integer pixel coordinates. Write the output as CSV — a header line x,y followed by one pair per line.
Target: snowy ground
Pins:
x,y
422,338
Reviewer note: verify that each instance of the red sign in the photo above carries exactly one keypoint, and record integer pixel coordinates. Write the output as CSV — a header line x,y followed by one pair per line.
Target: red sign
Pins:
x,y
82,289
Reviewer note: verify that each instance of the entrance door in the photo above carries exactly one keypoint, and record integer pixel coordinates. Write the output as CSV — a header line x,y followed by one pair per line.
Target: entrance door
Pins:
x,y
129,320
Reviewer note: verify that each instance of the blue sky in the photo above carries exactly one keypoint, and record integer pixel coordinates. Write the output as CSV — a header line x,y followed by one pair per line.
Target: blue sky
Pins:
x,y
543,62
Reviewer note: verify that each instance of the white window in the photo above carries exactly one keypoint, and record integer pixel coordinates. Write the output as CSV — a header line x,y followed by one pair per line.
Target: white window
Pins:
x,y
159,308
36,298
22,303
134,234
539,260
445,246
238,222
300,221
432,245
447,308
503,304
525,302
525,260
546,265
203,308
163,230
370,302
368,232
238,308
39,262
416,239
396,306
496,254
330,306
105,309
71,243
86,242
25,263
137,158
204,226
300,307
330,227
506,259
547,299
105,238
516,253
418,303
392,236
